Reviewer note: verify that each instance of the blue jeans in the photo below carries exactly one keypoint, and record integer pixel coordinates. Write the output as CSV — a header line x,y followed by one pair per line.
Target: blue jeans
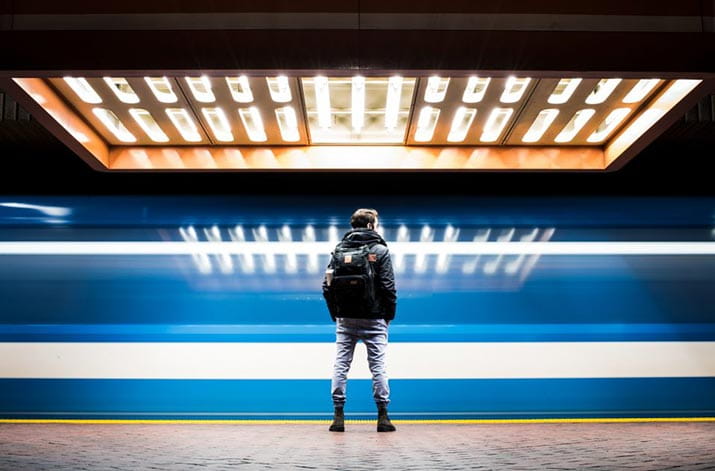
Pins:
x,y
373,332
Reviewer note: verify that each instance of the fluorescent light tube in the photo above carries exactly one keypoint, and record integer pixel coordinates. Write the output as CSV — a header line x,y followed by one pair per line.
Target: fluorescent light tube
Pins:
x,y
219,124
114,125
461,123
83,90
496,122
121,88
146,121
253,124
240,89
182,121
279,87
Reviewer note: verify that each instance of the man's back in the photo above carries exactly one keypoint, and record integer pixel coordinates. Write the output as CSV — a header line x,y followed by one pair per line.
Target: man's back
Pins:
x,y
385,299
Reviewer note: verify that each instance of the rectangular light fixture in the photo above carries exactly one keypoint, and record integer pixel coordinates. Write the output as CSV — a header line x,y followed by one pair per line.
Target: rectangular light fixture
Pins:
x,y
475,89
496,122
426,124
602,91
121,88
322,100
640,90
134,128
83,90
358,103
240,89
114,125
514,89
608,125
161,88
392,105
288,123
219,124
148,124
436,89
279,88
563,91
575,124
253,124
183,123
540,125
201,89
461,123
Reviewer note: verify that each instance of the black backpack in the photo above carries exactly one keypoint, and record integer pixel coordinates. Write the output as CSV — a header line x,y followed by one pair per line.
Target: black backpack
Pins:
x,y
353,281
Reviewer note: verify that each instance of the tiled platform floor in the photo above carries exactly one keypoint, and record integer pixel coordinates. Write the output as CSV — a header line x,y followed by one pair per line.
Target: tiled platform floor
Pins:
x,y
608,446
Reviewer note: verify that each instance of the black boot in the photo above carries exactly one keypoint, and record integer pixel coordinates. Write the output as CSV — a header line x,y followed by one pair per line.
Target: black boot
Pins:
x,y
338,424
383,421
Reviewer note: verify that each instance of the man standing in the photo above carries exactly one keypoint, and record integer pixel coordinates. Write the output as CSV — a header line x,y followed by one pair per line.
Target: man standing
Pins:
x,y
359,288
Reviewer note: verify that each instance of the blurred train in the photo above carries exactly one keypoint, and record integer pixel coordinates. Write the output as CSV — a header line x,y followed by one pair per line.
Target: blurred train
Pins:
x,y
210,307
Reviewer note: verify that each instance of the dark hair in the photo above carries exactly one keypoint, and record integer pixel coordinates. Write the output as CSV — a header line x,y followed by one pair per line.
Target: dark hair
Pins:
x,y
363,217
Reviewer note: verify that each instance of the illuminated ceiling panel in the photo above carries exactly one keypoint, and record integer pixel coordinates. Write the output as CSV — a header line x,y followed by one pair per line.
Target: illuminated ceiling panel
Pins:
x,y
237,121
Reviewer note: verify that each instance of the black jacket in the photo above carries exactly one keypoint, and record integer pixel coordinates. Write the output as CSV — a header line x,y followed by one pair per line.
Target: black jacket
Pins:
x,y
384,277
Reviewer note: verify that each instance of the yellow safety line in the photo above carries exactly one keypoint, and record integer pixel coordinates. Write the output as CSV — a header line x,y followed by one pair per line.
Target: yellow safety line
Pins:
x,y
356,421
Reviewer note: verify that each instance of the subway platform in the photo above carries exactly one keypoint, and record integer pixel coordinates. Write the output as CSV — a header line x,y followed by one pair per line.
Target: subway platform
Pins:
x,y
181,446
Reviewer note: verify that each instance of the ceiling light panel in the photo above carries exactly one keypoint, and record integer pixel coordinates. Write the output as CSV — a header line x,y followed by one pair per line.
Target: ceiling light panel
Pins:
x,y
579,112
358,110
151,126
471,110
477,96
211,103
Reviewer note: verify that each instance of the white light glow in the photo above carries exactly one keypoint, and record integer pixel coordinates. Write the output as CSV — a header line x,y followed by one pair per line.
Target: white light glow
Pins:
x,y
161,88
288,123
496,122
183,123
450,235
602,91
436,89
426,237
640,90
121,88
577,122
426,124
219,124
491,266
261,247
607,126
114,125
83,90
225,262
563,91
514,89
512,267
309,236
146,121
247,262
285,235
403,235
392,107
540,125
260,235
358,103
470,267
253,124
279,87
322,101
240,89
461,123
475,89
201,89
201,259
